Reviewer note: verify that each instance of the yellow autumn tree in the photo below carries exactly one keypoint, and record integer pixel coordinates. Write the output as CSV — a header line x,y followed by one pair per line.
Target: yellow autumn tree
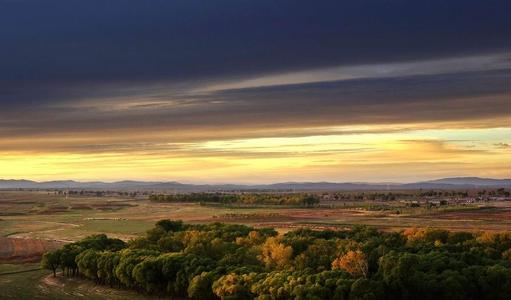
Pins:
x,y
353,262
253,238
506,254
275,254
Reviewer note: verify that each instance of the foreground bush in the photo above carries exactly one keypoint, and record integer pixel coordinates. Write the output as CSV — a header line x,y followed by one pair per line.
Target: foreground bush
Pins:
x,y
221,261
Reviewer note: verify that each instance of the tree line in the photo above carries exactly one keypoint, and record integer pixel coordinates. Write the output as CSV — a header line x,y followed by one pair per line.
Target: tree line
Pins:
x,y
402,195
307,200
228,261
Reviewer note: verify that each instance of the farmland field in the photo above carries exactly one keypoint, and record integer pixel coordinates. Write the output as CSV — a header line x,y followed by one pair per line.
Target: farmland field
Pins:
x,y
53,217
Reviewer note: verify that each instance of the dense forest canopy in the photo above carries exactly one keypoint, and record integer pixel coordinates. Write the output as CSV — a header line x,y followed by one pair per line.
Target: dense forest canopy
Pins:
x,y
226,261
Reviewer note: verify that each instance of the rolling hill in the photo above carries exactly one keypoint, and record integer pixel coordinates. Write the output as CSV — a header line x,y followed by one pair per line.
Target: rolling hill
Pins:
x,y
444,183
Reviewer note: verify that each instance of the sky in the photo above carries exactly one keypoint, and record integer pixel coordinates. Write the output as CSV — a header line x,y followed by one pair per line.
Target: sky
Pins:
x,y
255,91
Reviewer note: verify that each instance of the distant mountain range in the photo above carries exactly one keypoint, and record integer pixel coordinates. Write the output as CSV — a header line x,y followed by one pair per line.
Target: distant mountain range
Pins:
x,y
445,183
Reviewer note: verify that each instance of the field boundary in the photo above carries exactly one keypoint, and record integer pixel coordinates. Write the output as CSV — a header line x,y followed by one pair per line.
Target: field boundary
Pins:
x,y
22,271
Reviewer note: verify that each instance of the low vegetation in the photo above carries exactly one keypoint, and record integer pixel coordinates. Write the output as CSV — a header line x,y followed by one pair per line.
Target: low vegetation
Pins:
x,y
228,261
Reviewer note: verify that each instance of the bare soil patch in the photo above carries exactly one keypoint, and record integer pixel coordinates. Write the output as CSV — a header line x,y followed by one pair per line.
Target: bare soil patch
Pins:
x,y
490,213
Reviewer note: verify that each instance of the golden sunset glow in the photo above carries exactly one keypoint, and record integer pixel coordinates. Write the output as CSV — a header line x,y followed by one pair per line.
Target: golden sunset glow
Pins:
x,y
400,156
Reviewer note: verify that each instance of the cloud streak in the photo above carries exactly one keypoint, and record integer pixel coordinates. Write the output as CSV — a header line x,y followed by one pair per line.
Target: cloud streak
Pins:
x,y
455,97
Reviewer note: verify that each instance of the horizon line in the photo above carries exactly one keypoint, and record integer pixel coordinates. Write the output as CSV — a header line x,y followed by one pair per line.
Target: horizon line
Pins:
x,y
252,183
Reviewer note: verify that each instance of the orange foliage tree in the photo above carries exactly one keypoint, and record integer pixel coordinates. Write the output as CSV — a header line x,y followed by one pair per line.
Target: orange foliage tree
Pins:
x,y
353,262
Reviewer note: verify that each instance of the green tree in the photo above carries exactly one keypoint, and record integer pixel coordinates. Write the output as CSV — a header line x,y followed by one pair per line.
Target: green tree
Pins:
x,y
106,263
87,262
148,274
51,261
200,287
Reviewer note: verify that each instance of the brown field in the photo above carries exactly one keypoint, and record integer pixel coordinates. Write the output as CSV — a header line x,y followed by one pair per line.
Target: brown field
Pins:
x,y
49,216
24,250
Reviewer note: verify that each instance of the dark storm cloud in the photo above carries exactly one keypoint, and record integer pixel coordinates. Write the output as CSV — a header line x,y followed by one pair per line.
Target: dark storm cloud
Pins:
x,y
64,41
